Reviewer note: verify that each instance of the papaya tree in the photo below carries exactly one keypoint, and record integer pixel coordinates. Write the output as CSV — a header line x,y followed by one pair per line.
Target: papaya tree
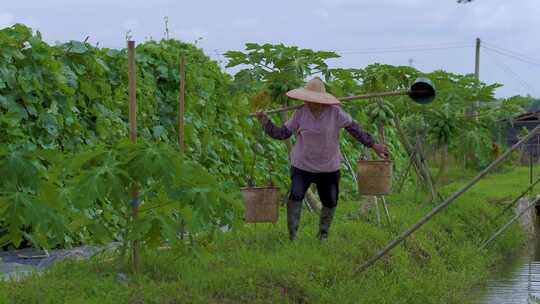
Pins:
x,y
277,68
443,127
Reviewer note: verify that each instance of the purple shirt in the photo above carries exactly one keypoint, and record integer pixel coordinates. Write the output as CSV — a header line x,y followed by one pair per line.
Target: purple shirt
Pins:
x,y
317,139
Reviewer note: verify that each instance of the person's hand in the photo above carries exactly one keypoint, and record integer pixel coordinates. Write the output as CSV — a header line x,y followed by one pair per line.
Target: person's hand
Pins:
x,y
261,117
381,150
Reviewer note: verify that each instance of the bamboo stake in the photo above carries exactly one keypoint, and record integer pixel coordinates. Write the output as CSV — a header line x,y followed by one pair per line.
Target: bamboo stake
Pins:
x,y
381,139
511,204
403,176
133,136
386,210
378,210
181,114
503,228
181,105
132,92
421,171
444,204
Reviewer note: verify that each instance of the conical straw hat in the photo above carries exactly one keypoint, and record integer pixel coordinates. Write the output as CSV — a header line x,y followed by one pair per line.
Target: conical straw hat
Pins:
x,y
314,91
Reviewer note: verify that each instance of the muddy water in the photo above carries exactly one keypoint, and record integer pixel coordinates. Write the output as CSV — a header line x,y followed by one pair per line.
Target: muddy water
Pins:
x,y
518,280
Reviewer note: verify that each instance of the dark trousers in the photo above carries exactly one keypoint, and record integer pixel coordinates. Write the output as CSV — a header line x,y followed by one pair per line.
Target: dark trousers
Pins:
x,y
327,185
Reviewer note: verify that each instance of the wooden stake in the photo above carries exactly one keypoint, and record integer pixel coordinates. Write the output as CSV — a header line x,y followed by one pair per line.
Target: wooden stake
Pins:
x,y
476,103
416,154
381,125
503,228
181,114
133,136
386,210
132,92
181,105
511,204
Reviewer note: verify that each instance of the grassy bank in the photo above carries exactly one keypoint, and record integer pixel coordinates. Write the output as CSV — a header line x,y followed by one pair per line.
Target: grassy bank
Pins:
x,y
257,264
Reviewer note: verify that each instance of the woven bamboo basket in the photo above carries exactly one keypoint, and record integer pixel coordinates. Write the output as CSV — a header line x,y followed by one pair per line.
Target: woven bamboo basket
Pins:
x,y
374,177
262,204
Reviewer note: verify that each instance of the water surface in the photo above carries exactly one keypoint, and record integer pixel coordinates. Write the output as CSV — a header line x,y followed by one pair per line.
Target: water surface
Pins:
x,y
518,280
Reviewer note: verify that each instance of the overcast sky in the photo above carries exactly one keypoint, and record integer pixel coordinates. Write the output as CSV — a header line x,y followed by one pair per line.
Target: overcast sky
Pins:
x,y
433,34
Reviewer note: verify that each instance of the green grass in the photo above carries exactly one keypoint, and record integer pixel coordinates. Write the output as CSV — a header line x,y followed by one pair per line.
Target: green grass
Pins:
x,y
257,264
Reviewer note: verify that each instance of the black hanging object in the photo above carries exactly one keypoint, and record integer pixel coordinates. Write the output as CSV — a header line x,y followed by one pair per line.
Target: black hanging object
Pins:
x,y
422,91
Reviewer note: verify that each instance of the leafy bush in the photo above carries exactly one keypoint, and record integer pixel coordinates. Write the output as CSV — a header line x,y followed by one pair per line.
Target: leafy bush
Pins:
x,y
62,199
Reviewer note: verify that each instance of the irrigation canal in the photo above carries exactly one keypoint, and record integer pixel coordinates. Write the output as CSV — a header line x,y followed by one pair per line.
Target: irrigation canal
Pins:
x,y
518,279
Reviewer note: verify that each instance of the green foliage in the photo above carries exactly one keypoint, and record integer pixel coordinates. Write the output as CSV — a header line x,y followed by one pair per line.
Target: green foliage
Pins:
x,y
63,110
519,103
280,68
443,125
61,200
74,95
440,263
380,113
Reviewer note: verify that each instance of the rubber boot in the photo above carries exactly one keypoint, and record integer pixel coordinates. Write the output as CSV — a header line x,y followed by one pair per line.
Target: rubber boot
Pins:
x,y
294,209
327,215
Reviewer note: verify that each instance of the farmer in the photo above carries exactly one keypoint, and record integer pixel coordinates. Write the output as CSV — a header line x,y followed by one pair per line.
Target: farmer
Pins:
x,y
315,157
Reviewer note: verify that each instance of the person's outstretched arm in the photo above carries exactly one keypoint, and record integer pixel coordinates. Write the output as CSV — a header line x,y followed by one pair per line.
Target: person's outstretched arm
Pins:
x,y
366,139
362,136
271,129
346,121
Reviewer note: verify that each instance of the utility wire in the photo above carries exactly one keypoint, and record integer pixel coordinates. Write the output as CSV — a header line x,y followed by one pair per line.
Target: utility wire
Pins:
x,y
417,46
404,50
509,71
517,54
512,56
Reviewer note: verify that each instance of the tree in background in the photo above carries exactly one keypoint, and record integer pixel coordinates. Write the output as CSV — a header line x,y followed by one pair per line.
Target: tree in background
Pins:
x,y
275,69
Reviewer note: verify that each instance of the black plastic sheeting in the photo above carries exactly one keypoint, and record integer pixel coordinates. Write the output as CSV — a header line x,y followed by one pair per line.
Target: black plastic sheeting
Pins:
x,y
37,258
17,264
